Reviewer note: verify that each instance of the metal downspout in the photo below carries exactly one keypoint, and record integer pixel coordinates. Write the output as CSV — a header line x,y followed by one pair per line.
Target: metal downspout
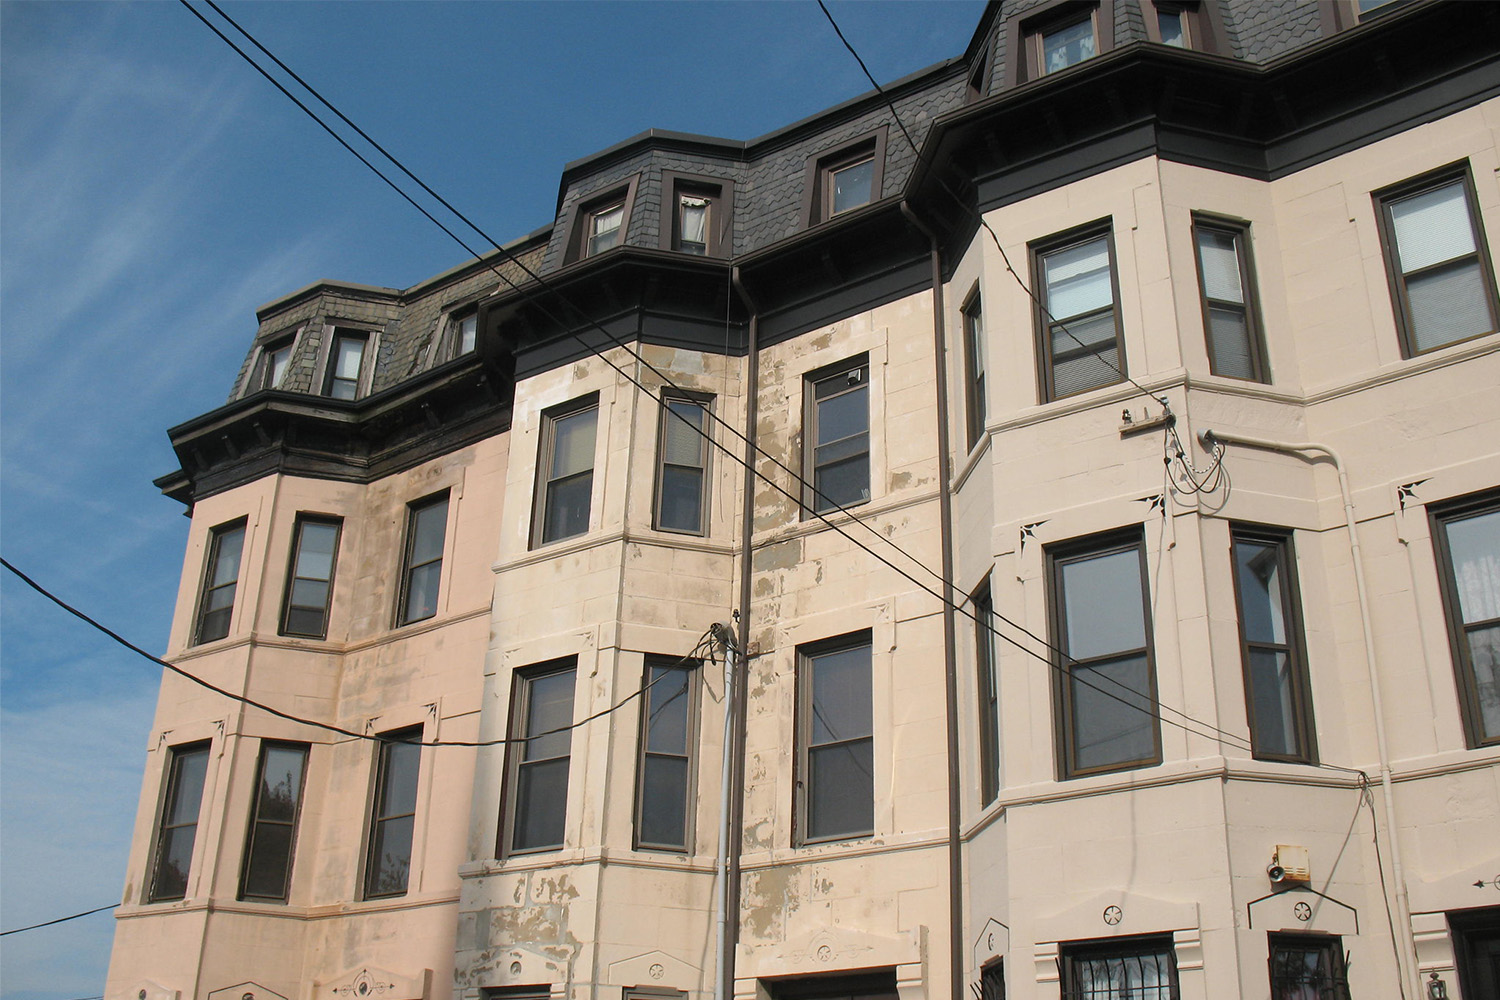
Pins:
x,y
737,750
950,654
1405,946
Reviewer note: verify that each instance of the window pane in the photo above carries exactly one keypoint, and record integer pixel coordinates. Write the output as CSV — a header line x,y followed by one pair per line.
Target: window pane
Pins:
x,y
188,788
549,707
841,787
567,511
1103,605
1170,23
422,592
663,801
1229,339
309,594
1273,707
541,804
266,867
841,700
276,363
1484,655
694,224
280,784
683,444
1432,227
843,415
315,544
1077,279
175,854
390,858
851,185
1475,546
1262,598
573,443
402,763
1218,254
429,524
1112,714
843,484
609,219
226,568
667,710
348,353
1067,45
681,499
1448,304
468,329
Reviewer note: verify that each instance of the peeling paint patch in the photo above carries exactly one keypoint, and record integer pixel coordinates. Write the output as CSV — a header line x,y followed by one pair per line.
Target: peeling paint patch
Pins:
x,y
782,555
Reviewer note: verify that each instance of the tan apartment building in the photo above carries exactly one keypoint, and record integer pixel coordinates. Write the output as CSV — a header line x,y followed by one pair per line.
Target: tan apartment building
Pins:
x,y
1056,559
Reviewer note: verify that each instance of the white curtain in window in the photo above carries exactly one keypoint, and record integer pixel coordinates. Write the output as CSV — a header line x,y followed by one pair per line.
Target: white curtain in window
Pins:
x,y
694,220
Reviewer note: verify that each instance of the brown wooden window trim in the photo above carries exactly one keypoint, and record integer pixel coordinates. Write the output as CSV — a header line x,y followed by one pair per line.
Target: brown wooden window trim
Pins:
x,y
1398,279
523,685
167,831
1294,647
1203,26
806,803
208,591
258,822
989,694
1239,230
543,532
294,575
582,214
975,402
1024,33
817,190
405,615
718,191
661,694
1059,557
1045,320
384,813
1441,516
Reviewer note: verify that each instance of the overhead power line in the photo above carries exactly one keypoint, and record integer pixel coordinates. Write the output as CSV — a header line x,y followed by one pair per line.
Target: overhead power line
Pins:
x,y
1137,700
60,920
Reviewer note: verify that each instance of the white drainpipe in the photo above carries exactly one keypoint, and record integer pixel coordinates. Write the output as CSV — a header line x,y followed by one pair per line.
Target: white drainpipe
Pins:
x,y
1405,947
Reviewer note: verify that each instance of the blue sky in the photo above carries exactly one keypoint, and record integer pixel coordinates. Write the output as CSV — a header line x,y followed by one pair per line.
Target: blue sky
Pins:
x,y
154,190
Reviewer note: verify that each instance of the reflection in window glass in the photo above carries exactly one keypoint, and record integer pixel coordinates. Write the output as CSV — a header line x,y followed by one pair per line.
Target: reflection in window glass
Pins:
x,y
393,820
840,439
1469,548
1275,672
426,525
851,185
604,228
838,743
540,791
348,357
664,793
179,822
216,604
1064,46
683,466
310,583
273,822
1082,339
1446,294
568,473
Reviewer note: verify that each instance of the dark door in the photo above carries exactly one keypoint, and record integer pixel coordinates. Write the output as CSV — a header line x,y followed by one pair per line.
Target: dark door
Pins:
x,y
1476,947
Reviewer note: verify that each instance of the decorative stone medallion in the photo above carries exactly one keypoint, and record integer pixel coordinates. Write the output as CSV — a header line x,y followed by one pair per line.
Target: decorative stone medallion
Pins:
x,y
1113,915
1302,912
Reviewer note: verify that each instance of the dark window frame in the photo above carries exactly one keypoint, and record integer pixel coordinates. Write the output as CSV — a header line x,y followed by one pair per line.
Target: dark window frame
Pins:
x,y
1025,30
166,830
985,669
1295,648
705,403
975,403
1454,173
1072,954
864,984
414,510
452,346
521,709
292,577
333,382
992,980
1059,556
718,191
208,588
806,804
1044,320
1330,985
1203,26
256,821
812,503
981,70
581,218
261,378
817,195
380,814
1440,516
693,671
1239,231
545,480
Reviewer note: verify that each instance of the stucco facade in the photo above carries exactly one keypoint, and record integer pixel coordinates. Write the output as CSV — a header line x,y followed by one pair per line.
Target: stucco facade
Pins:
x,y
1107,607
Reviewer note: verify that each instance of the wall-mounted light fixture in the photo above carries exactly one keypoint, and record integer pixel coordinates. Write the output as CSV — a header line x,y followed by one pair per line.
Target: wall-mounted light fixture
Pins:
x,y
1436,988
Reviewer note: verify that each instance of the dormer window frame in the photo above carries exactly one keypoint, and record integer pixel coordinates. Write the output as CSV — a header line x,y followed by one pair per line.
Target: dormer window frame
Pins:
x,y
824,166
258,373
325,375
977,83
581,237
1202,27
1027,31
718,192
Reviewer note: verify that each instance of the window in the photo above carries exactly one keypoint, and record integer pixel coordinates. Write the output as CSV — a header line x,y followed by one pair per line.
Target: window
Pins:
x,y
682,466
178,826
845,177
269,847
836,780
1436,260
1186,24
989,696
1307,967
1271,646
1133,968
542,711
600,221
1058,34
604,226
992,981
1227,283
274,360
1172,26
394,817
216,603
698,214
664,781
1105,693
879,984
346,361
836,449
1466,536
422,568
1077,322
309,585
1065,44
463,334
974,404
565,470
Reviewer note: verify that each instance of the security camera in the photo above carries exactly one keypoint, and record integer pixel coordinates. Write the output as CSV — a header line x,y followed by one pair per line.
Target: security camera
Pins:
x,y
1275,873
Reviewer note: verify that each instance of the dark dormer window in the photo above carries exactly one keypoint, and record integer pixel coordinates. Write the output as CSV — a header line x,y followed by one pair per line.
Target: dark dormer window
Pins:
x,y
696,217
1186,24
845,177
604,228
346,364
1061,34
600,222
275,359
